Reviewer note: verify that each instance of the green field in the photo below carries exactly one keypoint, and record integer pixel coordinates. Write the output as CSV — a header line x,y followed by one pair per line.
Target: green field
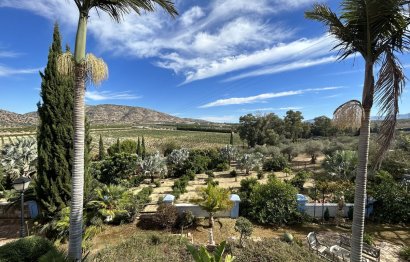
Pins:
x,y
157,139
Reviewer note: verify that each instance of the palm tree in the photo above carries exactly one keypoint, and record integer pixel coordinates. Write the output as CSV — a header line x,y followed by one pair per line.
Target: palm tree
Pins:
x,y
377,30
116,9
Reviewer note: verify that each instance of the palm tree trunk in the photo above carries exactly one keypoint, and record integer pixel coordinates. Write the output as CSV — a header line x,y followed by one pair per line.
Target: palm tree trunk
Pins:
x,y
361,177
77,190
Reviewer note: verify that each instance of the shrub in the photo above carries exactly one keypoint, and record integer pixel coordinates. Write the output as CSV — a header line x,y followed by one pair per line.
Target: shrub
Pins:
x,y
53,256
25,249
260,175
190,174
405,253
288,237
127,146
185,220
244,227
368,239
300,179
222,167
179,186
210,173
166,216
271,203
326,215
117,168
233,173
157,183
313,148
275,164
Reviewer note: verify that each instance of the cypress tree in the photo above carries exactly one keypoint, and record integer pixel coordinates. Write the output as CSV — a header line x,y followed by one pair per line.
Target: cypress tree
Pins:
x,y
101,150
139,151
54,135
231,139
143,153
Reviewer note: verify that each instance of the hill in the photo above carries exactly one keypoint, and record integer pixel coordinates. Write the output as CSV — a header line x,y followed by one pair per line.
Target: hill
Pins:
x,y
102,115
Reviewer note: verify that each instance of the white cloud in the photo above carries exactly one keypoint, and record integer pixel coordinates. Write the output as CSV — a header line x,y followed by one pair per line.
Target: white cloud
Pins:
x,y
215,38
219,119
8,71
271,109
9,54
108,95
284,67
263,97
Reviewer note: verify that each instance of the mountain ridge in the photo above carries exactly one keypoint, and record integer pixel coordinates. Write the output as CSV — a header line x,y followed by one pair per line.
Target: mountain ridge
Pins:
x,y
102,114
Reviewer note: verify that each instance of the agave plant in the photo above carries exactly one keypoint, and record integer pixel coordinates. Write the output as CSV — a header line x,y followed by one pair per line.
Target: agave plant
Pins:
x,y
19,158
202,255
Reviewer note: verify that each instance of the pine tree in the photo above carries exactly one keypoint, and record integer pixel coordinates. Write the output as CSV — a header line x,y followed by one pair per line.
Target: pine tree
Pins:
x,y
55,135
101,150
231,139
143,153
139,151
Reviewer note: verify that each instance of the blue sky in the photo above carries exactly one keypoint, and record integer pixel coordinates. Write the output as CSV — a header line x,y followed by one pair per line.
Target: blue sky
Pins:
x,y
218,60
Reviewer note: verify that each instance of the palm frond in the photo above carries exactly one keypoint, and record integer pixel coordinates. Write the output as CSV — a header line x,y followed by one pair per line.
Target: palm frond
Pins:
x,y
388,89
348,115
118,8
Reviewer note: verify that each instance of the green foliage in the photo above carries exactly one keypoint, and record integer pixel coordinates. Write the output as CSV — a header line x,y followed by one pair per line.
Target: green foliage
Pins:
x,y
368,239
118,167
293,125
101,150
260,175
342,164
114,204
19,158
323,126
288,237
260,130
179,186
313,148
392,200
127,146
166,216
202,255
233,173
55,135
272,203
53,256
326,215
214,198
244,227
396,163
25,249
300,179
186,219
275,163
404,253
291,151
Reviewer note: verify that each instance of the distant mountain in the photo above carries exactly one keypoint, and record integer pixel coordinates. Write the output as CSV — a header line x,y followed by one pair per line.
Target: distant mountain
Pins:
x,y
401,116
102,114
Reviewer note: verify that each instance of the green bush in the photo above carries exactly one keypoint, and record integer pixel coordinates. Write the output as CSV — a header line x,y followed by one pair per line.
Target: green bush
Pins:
x,y
222,167
244,227
179,186
300,179
233,173
117,168
25,249
271,203
275,164
405,253
260,175
127,146
368,239
210,173
53,256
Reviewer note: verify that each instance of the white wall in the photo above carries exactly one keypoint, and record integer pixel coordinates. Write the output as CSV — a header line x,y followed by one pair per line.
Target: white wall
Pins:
x,y
312,208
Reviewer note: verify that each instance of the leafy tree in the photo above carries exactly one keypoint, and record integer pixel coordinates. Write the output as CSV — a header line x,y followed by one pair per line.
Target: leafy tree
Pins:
x,y
213,199
101,149
260,130
323,126
229,153
313,148
291,151
300,178
117,168
244,227
293,124
378,32
154,164
275,163
127,146
19,158
250,161
178,156
341,163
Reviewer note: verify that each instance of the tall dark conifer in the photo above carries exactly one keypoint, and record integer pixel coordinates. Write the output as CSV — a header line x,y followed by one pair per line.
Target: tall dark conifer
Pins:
x,y
55,135
144,152
101,149
139,151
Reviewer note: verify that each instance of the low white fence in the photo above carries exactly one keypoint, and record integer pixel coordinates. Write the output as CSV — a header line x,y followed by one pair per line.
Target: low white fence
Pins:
x,y
316,209
197,211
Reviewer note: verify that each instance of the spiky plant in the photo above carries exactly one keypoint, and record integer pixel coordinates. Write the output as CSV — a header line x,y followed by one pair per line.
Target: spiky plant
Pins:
x,y
19,158
378,31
